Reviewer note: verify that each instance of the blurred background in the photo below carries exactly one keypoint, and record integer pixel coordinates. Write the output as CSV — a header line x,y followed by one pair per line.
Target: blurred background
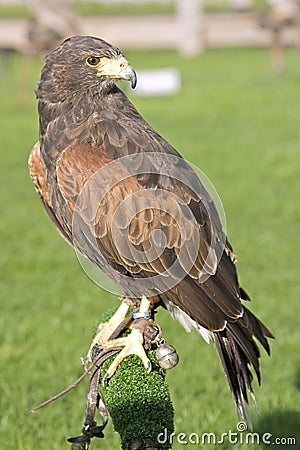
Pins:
x,y
189,26
219,79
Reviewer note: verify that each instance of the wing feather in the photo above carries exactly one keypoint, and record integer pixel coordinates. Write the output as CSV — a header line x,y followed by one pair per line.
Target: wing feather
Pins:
x,y
38,176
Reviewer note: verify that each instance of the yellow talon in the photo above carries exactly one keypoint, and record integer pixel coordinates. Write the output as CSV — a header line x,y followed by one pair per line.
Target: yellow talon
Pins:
x,y
131,344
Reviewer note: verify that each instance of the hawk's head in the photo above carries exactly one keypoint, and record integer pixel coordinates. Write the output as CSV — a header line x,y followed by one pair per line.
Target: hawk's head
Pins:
x,y
83,64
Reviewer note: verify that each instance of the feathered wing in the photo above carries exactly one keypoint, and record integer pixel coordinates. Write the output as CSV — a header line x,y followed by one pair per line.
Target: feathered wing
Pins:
x,y
38,176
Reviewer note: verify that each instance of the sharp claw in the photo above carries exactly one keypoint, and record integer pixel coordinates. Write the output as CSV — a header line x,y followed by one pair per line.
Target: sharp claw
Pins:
x,y
104,380
149,367
135,343
84,362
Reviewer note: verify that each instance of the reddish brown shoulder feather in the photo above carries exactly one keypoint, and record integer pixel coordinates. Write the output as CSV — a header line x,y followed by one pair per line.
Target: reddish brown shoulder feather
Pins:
x,y
37,173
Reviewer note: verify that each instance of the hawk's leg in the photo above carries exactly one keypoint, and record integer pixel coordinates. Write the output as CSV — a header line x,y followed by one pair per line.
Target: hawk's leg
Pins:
x,y
106,329
133,344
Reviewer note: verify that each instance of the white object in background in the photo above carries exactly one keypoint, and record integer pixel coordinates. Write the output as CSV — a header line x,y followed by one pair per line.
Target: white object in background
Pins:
x,y
157,82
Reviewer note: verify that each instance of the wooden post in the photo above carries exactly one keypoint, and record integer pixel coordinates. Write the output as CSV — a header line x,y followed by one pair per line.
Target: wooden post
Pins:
x,y
190,18
52,17
278,61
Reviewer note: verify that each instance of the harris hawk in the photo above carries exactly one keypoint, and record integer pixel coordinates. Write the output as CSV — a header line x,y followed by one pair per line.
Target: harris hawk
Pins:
x,y
125,199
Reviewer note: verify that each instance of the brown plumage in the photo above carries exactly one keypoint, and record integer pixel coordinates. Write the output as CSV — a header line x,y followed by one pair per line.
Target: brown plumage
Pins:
x,y
88,125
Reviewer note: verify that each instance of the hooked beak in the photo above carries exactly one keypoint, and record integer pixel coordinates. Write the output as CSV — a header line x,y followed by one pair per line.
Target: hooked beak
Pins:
x,y
118,68
129,74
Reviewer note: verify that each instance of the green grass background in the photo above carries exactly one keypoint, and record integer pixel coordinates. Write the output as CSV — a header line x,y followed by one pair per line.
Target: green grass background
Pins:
x,y
239,123
94,8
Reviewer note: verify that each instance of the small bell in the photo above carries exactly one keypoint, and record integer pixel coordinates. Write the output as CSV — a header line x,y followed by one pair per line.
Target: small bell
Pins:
x,y
167,356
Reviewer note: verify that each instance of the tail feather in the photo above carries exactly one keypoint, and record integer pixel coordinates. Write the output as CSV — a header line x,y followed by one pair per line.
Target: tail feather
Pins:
x,y
215,306
245,345
237,373
238,352
259,330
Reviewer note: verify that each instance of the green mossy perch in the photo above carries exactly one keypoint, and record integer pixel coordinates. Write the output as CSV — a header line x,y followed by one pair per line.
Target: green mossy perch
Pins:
x,y
138,402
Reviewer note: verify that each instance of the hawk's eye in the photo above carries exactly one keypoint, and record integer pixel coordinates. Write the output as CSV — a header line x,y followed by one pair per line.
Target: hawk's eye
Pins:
x,y
93,61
